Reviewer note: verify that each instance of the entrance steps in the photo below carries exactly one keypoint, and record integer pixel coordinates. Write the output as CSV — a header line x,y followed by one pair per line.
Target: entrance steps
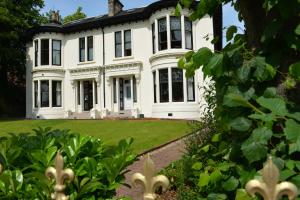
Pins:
x,y
126,114
83,115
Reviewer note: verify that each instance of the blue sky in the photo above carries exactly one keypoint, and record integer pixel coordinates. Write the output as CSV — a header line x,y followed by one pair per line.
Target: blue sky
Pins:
x,y
98,7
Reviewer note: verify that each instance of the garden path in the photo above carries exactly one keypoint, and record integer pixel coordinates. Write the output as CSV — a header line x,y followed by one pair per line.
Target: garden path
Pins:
x,y
162,157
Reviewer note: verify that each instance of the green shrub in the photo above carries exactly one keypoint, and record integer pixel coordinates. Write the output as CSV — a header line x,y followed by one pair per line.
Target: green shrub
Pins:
x,y
98,169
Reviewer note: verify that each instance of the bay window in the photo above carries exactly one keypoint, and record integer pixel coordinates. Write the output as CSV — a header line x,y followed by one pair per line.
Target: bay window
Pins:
x,y
164,85
45,93
56,94
127,43
90,48
177,85
56,52
175,29
162,34
45,52
81,49
118,44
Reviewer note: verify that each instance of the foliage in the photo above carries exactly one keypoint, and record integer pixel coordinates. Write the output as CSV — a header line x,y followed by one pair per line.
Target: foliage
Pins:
x,y
256,79
46,17
98,169
75,16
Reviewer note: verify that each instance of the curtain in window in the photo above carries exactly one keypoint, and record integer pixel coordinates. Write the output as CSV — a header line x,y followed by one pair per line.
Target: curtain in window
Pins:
x,y
56,94
162,34
190,89
44,93
164,85
188,33
175,29
118,44
56,52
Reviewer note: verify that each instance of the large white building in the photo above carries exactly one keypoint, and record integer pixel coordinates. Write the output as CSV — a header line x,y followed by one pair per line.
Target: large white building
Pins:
x,y
120,64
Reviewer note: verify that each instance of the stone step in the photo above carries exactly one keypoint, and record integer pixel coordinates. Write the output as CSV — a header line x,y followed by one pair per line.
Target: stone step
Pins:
x,y
83,115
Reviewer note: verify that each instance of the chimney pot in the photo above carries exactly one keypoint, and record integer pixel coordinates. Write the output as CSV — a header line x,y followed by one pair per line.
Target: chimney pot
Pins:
x,y
114,7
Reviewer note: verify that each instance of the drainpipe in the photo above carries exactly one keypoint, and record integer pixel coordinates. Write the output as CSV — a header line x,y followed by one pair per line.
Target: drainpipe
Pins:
x,y
103,64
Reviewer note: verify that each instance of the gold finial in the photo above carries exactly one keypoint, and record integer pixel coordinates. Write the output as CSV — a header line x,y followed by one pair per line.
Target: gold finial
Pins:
x,y
149,181
269,188
60,176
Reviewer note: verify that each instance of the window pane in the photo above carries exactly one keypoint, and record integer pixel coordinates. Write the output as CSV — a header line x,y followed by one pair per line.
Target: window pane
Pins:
x,y
118,44
115,89
164,85
36,90
56,52
44,93
162,34
78,92
153,38
188,34
134,89
127,43
190,89
81,49
56,94
90,48
175,29
36,52
45,52
177,85
154,85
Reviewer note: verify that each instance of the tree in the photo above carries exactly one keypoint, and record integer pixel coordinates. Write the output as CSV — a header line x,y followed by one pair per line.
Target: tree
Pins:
x,y
16,17
75,16
257,84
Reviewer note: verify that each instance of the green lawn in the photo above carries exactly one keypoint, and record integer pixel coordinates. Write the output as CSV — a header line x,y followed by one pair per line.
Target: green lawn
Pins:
x,y
146,133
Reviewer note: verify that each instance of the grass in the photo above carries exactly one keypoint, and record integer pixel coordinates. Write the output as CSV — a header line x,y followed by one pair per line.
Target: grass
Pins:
x,y
146,133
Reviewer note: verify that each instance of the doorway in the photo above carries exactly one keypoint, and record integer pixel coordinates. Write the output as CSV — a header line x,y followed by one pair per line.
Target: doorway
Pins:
x,y
87,95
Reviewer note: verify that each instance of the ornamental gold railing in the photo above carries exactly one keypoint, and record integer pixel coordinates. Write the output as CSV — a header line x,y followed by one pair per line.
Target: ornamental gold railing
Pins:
x,y
268,187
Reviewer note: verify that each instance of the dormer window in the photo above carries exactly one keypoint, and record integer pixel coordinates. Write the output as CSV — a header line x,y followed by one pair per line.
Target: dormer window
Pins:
x,y
45,52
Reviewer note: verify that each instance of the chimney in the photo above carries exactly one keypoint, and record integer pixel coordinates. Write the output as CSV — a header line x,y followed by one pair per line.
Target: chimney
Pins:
x,y
55,18
114,7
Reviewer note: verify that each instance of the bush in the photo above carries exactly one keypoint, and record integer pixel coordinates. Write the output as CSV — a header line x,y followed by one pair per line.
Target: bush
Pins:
x,y
98,169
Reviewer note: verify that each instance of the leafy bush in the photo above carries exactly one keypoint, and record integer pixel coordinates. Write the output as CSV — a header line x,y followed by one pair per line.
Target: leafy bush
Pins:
x,y
98,169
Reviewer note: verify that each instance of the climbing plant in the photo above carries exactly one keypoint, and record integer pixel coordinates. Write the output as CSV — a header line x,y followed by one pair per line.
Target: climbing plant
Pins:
x,y
257,84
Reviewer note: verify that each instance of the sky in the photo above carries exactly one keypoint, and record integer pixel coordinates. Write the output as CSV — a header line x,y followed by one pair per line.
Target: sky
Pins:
x,y
98,7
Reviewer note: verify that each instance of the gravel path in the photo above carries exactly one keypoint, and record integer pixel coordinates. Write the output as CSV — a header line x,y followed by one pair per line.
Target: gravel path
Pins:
x,y
162,158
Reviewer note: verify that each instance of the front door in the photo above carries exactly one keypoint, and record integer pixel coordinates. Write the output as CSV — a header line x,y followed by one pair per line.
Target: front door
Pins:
x,y
127,95
87,95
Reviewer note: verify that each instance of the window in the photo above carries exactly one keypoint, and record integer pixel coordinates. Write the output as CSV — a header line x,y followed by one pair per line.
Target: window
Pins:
x,y
90,47
154,85
134,89
78,92
127,43
81,49
190,89
56,94
44,93
45,52
115,89
118,44
36,53
162,34
177,85
164,85
96,93
36,92
56,52
175,29
153,38
188,33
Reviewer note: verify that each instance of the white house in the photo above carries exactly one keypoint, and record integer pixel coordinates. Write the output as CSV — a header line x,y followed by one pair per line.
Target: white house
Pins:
x,y
120,64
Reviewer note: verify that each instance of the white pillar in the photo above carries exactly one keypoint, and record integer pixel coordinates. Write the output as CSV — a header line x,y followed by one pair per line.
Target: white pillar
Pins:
x,y
168,32
170,83
94,95
131,88
182,32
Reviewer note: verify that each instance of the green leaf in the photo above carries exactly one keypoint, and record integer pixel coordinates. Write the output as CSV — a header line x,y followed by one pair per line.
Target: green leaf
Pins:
x,y
235,100
203,179
214,66
181,63
241,194
243,72
241,124
270,92
202,56
263,70
285,174
186,3
214,196
178,10
231,184
291,130
230,32
297,30
215,176
216,137
294,70
275,105
294,147
255,147
263,117
295,116
197,166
